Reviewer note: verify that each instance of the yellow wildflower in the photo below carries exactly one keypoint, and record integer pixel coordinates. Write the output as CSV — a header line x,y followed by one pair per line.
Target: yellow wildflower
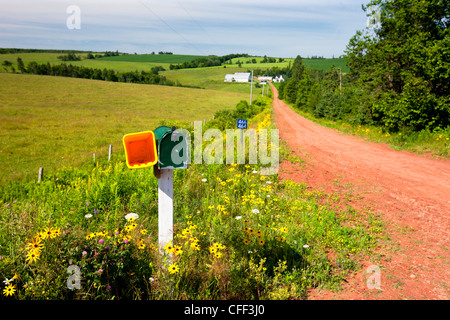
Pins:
x,y
35,244
168,248
212,249
33,256
9,290
177,250
47,233
173,268
141,245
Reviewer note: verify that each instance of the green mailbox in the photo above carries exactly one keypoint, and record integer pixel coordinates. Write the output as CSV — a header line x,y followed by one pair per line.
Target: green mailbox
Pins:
x,y
172,148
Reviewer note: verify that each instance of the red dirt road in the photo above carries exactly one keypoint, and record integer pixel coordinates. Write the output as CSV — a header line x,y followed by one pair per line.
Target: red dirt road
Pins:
x,y
410,191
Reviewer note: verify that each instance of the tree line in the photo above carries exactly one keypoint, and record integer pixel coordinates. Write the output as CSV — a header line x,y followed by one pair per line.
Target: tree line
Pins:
x,y
399,75
19,50
210,61
69,70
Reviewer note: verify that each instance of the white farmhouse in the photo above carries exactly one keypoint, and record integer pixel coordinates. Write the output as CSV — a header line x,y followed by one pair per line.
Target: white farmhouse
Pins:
x,y
238,77
278,79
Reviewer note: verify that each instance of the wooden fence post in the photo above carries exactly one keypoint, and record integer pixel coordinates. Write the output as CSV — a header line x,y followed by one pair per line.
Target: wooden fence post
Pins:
x,y
41,174
109,152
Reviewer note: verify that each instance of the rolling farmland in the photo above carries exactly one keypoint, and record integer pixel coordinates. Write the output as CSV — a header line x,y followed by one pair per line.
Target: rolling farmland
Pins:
x,y
57,121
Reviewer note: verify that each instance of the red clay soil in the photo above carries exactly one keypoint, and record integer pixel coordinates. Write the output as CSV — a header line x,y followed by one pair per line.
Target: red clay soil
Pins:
x,y
411,192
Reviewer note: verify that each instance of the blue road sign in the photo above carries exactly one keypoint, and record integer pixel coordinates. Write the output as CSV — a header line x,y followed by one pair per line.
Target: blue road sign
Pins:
x,y
241,124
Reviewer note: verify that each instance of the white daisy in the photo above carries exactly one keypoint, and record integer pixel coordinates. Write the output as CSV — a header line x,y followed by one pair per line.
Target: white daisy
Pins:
x,y
132,215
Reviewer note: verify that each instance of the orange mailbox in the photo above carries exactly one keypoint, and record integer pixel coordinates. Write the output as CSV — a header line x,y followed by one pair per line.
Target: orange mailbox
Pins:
x,y
140,149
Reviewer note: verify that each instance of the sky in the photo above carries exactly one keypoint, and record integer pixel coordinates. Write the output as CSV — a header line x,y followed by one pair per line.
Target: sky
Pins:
x,y
199,27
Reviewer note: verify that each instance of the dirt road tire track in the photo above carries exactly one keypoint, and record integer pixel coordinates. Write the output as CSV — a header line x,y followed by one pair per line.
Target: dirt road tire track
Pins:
x,y
412,192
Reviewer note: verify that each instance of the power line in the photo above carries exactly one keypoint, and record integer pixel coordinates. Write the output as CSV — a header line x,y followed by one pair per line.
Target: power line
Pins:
x,y
170,27
196,22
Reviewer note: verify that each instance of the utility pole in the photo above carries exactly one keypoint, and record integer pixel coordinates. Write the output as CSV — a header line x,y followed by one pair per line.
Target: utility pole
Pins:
x,y
251,89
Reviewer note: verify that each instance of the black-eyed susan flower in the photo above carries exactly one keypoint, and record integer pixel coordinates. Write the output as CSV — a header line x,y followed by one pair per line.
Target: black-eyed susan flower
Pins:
x,y
212,249
173,268
33,256
47,233
55,232
35,244
283,229
9,290
261,242
39,237
168,248
177,250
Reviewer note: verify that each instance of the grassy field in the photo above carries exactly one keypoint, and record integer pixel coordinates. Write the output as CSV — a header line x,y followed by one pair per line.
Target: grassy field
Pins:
x,y
54,122
118,63
319,64
153,58
211,78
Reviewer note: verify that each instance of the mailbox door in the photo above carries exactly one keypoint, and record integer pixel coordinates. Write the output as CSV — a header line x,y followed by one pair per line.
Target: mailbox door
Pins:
x,y
140,149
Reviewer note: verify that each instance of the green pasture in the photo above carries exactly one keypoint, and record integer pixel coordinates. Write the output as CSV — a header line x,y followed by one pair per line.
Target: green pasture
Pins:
x,y
101,63
319,64
153,58
55,122
211,78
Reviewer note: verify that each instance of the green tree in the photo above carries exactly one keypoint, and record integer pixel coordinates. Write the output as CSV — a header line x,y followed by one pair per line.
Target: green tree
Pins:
x,y
295,75
21,65
404,63
6,64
